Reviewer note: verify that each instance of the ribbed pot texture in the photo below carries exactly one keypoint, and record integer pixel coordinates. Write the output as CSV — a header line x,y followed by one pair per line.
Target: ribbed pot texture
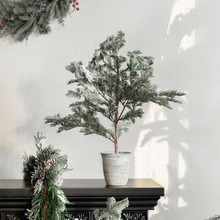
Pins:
x,y
116,167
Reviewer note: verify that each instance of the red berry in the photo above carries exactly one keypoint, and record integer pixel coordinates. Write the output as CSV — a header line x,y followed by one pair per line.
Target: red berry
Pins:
x,y
74,0
77,9
1,20
74,5
71,2
52,165
77,3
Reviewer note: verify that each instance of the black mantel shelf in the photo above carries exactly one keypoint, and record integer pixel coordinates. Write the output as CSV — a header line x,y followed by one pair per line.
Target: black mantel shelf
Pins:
x,y
86,196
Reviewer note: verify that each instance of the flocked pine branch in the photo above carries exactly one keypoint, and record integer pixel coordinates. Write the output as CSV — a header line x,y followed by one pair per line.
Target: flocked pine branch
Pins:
x,y
114,87
18,19
113,210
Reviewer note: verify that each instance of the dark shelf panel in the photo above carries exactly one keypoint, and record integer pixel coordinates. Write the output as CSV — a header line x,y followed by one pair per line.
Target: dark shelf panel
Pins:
x,y
86,196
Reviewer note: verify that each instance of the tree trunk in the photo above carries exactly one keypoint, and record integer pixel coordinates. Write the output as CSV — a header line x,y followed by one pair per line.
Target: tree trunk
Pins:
x,y
116,127
117,108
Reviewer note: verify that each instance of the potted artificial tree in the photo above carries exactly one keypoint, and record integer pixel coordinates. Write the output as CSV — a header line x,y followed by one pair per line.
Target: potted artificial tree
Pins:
x,y
113,87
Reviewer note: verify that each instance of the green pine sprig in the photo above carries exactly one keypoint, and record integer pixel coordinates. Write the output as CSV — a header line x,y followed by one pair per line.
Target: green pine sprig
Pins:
x,y
113,210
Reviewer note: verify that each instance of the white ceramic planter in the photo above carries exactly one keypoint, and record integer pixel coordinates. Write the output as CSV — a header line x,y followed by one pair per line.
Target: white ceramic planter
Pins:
x,y
116,167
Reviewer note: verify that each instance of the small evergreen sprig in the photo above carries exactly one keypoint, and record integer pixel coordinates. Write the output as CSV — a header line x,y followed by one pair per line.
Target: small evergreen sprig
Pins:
x,y
18,19
112,86
113,210
49,201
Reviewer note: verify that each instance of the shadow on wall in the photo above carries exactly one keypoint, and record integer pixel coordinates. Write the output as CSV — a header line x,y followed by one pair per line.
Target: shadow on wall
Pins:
x,y
180,146
13,115
164,143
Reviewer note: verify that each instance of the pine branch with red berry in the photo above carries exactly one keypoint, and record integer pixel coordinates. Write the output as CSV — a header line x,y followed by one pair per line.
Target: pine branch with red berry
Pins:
x,y
19,19
49,201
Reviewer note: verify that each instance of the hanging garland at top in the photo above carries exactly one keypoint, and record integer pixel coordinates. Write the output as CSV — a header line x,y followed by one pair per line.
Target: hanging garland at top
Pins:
x,y
18,19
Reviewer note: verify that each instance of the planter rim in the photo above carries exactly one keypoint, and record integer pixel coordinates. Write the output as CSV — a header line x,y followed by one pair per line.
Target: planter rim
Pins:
x,y
110,153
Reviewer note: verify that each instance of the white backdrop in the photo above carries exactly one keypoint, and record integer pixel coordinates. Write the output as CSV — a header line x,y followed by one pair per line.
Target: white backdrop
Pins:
x,y
178,148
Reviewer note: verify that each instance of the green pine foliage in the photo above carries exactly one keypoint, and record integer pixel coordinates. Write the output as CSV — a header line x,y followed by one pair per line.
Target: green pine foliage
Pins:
x,y
113,210
28,167
49,201
216,217
113,86
21,18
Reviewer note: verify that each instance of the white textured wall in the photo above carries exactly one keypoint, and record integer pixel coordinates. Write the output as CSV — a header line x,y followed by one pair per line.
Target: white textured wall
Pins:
x,y
179,149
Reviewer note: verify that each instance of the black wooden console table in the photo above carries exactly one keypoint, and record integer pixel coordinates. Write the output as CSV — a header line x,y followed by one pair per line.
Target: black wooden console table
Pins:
x,y
86,196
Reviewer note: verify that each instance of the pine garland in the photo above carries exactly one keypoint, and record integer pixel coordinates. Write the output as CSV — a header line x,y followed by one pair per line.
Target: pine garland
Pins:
x,y
18,19
49,201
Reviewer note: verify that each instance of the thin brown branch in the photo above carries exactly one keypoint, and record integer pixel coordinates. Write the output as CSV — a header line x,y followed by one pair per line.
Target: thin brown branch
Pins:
x,y
102,94
124,70
124,106
122,102
110,139
110,66
122,111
